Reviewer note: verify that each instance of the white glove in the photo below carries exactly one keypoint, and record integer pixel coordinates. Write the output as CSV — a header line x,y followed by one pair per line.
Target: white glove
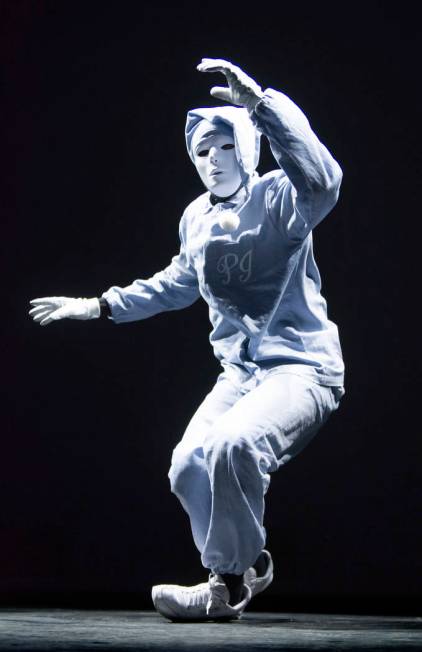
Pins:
x,y
50,309
242,90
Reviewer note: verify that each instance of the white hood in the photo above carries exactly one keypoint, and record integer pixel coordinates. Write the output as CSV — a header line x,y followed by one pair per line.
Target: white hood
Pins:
x,y
246,136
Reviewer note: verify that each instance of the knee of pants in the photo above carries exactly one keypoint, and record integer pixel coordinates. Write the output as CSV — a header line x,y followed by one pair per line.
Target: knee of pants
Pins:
x,y
228,448
182,470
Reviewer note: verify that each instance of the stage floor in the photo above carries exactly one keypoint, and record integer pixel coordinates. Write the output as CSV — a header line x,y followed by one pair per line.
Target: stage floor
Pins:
x,y
76,630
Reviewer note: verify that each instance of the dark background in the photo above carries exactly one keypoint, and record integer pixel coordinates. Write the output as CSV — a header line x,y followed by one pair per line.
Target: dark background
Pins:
x,y
96,177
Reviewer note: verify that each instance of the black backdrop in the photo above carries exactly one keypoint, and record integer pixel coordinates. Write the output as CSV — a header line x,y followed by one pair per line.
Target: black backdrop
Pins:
x,y
96,177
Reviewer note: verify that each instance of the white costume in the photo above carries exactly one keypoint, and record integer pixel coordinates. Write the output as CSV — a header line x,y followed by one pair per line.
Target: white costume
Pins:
x,y
270,328
250,257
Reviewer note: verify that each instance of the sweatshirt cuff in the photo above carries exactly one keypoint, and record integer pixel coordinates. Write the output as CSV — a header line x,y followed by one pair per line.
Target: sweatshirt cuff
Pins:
x,y
104,307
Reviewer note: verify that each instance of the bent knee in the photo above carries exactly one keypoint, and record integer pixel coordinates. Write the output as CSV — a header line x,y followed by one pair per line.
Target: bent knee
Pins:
x,y
184,464
224,445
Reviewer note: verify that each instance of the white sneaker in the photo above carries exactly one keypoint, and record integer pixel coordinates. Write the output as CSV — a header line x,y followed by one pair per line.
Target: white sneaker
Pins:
x,y
258,583
206,601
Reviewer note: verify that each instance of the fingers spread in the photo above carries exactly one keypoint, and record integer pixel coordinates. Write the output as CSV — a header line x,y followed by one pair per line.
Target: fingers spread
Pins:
x,y
215,65
42,315
47,301
49,315
35,302
46,321
52,315
39,309
221,93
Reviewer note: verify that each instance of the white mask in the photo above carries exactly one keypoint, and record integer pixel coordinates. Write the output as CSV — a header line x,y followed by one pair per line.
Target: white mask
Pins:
x,y
215,159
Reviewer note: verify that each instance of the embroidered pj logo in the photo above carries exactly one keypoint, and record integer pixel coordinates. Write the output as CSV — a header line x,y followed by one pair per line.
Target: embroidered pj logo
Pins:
x,y
231,265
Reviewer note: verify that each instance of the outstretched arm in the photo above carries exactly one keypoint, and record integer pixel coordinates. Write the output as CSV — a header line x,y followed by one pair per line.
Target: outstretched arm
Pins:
x,y
49,309
173,288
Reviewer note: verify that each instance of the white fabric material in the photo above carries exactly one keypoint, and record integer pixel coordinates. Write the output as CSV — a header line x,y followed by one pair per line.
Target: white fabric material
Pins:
x,y
261,280
241,89
49,309
221,468
204,128
246,137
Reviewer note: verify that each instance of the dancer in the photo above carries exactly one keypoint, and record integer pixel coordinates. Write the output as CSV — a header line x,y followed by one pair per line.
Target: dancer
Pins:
x,y
246,248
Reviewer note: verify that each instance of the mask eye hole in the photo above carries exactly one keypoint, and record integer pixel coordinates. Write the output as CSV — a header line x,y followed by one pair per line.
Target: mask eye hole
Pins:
x,y
227,146
203,152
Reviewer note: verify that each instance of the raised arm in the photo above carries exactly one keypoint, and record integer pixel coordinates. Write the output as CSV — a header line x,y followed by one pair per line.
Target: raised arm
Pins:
x,y
313,180
308,185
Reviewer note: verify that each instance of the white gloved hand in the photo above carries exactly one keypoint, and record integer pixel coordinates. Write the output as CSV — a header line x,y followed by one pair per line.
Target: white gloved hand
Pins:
x,y
50,309
242,90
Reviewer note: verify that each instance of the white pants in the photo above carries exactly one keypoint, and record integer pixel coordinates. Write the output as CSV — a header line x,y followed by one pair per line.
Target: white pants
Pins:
x,y
220,469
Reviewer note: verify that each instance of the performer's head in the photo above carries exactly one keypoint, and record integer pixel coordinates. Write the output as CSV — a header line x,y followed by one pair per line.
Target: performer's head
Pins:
x,y
214,156
224,147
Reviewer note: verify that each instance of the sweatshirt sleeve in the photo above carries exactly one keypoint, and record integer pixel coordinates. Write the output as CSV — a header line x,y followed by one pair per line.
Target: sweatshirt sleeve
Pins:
x,y
173,288
309,188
